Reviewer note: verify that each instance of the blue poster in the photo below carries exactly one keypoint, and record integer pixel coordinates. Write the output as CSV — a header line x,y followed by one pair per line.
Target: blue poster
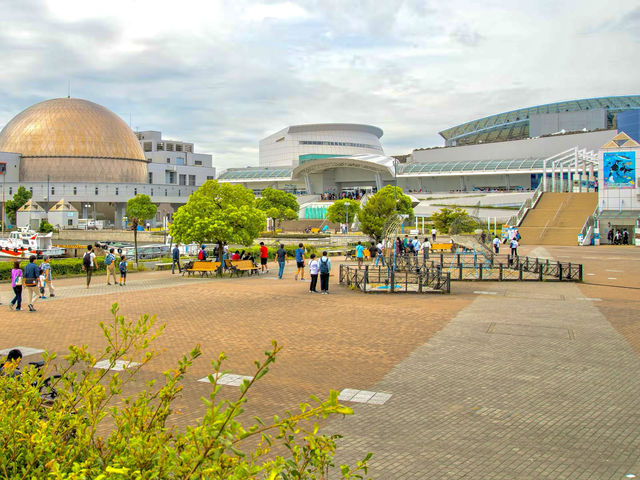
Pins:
x,y
619,169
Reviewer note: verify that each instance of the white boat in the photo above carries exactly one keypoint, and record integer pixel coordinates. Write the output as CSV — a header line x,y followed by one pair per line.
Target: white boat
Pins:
x,y
24,243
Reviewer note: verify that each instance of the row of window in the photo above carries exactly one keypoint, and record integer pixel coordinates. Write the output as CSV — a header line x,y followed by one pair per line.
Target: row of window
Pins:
x,y
168,147
117,190
339,144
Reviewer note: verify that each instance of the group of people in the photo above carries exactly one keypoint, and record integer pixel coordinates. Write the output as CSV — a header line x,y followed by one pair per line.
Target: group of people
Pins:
x,y
618,237
31,281
90,264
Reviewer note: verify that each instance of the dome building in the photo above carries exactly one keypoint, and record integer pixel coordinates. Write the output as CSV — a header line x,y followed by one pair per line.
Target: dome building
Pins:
x,y
70,139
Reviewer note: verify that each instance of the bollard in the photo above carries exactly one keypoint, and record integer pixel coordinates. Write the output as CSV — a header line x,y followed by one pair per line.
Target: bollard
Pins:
x,y
366,277
393,282
559,271
480,273
459,272
500,271
520,272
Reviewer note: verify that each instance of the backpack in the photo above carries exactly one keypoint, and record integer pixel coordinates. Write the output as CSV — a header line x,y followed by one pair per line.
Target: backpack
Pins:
x,y
201,255
324,266
108,260
86,260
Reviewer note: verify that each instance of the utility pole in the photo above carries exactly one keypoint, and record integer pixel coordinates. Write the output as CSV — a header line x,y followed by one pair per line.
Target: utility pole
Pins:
x,y
4,179
347,207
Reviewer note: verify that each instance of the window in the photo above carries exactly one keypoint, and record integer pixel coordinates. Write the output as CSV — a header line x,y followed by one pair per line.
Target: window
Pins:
x,y
97,191
147,146
165,192
135,192
53,190
178,147
70,222
198,162
179,161
10,190
169,176
160,146
209,177
116,190
188,148
168,160
150,177
280,139
192,180
169,147
3,168
75,190
152,192
182,179
31,190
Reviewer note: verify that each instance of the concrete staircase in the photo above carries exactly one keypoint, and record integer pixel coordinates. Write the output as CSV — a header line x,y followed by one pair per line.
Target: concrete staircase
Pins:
x,y
557,218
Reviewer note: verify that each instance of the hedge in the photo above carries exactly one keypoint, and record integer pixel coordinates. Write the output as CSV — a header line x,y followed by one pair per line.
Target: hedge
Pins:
x,y
60,267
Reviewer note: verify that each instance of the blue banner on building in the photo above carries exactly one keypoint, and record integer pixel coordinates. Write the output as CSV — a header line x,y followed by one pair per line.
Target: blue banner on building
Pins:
x,y
619,169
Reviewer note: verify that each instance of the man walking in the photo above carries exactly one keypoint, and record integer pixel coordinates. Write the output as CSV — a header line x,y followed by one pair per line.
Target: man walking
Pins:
x,y
110,264
379,253
175,259
31,274
426,248
89,263
264,257
281,257
433,235
45,268
300,261
496,245
325,268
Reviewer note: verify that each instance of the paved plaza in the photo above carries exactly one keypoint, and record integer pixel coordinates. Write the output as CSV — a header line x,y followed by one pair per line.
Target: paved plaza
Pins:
x,y
495,381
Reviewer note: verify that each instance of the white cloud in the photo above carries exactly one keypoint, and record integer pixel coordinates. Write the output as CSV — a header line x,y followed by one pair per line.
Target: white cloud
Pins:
x,y
224,74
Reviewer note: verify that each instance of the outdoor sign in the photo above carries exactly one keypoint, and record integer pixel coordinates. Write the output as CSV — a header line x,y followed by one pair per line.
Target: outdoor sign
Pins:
x,y
619,169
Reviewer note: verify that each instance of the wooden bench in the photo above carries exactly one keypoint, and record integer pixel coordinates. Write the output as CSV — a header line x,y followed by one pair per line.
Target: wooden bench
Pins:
x,y
241,266
441,247
163,266
203,267
314,230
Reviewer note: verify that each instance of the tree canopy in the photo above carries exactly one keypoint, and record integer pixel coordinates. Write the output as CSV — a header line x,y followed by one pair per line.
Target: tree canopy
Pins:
x,y
217,213
337,213
380,207
443,219
21,197
278,205
139,209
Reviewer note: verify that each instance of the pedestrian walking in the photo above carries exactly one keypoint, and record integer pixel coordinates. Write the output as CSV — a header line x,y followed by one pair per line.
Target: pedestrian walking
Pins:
x,y
16,284
264,257
426,248
313,273
110,264
30,275
416,246
41,285
514,247
300,261
433,235
123,270
359,253
175,259
88,263
281,258
325,268
45,268
496,245
380,253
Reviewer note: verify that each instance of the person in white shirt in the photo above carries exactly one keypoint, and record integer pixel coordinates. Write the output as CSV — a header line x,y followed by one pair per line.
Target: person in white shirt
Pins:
x,y
433,234
426,248
314,268
496,244
514,247
380,253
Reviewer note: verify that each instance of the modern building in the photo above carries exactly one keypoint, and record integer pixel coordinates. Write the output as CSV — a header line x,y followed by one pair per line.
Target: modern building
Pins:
x,y
80,151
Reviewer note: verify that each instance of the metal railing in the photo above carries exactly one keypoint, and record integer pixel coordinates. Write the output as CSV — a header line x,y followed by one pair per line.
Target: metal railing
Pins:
x,y
378,279
589,223
529,203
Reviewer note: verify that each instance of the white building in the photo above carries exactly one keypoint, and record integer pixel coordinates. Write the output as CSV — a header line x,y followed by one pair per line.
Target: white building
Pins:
x,y
297,144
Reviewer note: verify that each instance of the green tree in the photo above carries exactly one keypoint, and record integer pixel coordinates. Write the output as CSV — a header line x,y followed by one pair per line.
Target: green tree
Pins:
x,y
21,197
278,205
45,227
443,219
91,429
380,207
218,212
139,209
337,213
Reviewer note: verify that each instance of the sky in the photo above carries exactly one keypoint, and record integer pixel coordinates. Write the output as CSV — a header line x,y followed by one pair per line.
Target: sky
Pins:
x,y
224,74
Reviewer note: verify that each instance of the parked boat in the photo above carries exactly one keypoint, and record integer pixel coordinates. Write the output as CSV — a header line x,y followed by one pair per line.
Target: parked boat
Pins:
x,y
24,243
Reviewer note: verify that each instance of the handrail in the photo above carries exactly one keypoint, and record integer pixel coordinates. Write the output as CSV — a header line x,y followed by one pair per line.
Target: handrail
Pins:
x,y
526,205
589,222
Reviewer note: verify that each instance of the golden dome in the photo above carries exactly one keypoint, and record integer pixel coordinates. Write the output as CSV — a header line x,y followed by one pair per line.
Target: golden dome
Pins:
x,y
70,139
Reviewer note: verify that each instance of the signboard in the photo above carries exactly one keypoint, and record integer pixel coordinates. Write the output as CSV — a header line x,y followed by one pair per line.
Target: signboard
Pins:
x,y
619,169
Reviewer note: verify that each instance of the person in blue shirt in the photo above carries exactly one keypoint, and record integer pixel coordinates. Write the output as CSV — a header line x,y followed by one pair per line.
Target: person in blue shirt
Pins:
x,y
300,261
31,275
359,253
175,256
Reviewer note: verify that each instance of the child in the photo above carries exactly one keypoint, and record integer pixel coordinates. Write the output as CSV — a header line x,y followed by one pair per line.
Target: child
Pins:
x,y
41,283
123,270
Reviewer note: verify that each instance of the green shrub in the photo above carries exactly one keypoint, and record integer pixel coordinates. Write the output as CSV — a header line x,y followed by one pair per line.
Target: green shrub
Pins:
x,y
92,430
60,267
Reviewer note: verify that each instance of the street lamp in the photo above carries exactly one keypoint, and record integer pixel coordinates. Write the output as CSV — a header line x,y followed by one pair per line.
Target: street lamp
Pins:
x,y
347,207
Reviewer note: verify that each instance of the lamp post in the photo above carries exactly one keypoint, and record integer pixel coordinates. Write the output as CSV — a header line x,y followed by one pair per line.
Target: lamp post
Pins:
x,y
395,206
346,205
87,206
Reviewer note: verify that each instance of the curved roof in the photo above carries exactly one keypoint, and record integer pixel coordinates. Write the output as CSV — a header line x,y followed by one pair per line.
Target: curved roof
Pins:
x,y
469,167
70,127
515,124
256,173
377,163
355,127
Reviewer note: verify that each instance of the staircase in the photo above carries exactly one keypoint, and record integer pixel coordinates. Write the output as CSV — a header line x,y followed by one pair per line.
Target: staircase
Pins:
x,y
557,218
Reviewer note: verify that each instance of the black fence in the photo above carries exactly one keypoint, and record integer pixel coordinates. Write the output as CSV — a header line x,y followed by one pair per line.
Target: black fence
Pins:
x,y
379,279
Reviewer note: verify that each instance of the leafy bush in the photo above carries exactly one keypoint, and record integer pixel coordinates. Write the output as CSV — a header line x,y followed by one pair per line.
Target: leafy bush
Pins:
x,y
91,430
293,235
45,227
443,219
60,267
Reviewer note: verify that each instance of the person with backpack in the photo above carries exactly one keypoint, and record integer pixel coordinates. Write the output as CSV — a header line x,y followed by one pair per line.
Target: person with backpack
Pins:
x,y
31,275
313,272
175,259
300,261
379,248
123,270
89,263
110,263
16,284
202,254
45,269
324,268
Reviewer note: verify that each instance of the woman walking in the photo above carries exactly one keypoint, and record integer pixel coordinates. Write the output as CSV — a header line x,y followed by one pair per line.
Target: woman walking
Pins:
x,y
16,284
313,271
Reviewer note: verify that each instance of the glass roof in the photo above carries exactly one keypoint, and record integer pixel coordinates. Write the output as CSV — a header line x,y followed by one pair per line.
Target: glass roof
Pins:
x,y
472,166
515,124
256,172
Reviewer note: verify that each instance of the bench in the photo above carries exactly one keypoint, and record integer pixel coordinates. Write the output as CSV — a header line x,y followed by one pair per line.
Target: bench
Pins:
x,y
240,267
203,267
351,254
441,247
163,266
314,230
